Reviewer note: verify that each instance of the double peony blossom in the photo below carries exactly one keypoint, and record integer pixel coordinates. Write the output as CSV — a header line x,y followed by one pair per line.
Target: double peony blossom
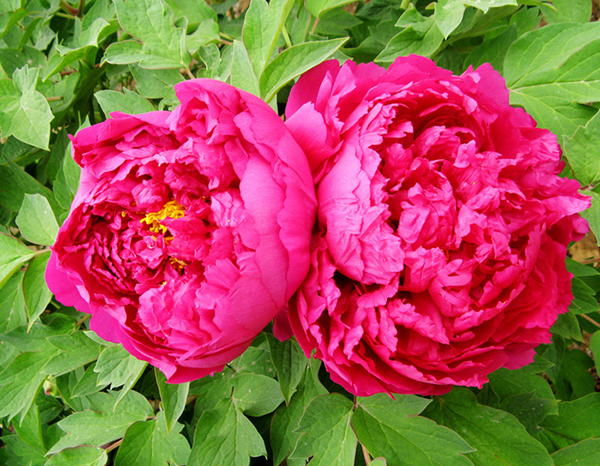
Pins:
x,y
190,230
438,255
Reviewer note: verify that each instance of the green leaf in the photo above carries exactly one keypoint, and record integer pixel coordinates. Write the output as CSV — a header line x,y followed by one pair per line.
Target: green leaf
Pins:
x,y
493,51
409,439
595,346
13,253
422,37
584,453
242,74
566,325
81,456
36,220
294,61
256,394
592,215
151,21
499,438
225,436
319,7
88,383
207,32
117,367
13,312
576,421
485,5
107,422
149,443
155,84
262,27
290,362
27,117
173,398
568,11
16,183
579,152
287,418
573,380
131,102
37,294
448,15
326,432
77,349
195,12
67,182
551,72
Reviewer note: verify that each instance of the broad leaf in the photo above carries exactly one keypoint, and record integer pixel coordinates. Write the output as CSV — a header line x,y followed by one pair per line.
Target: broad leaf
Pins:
x,y
13,253
36,220
173,398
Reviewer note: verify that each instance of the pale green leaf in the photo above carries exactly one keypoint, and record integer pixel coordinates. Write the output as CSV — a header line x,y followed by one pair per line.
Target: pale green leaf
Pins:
x,y
131,102
36,221
242,73
13,253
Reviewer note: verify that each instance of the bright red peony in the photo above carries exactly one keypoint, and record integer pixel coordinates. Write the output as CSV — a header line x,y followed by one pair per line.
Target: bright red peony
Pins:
x,y
190,230
442,226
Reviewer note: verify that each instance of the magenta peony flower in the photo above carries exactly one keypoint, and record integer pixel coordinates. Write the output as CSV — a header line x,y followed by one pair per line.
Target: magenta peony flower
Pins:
x,y
442,226
190,231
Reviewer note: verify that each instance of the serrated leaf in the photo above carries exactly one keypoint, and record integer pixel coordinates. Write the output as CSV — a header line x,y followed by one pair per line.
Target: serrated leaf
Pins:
x,y
499,437
287,418
173,398
242,73
290,362
152,22
580,152
225,436
409,439
131,102
37,294
36,221
81,456
326,432
576,421
584,453
108,422
294,61
551,72
147,443
13,253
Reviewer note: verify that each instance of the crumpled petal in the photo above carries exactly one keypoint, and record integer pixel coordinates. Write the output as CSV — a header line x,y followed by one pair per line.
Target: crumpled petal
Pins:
x,y
442,226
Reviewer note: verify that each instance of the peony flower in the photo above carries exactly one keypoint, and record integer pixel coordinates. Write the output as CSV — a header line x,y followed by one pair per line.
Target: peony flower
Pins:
x,y
190,230
442,226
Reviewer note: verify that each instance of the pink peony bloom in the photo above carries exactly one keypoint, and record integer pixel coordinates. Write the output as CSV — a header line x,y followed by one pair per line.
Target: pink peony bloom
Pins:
x,y
442,226
190,230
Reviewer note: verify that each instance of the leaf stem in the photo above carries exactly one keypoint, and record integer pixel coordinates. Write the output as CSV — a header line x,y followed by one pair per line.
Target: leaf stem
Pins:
x,y
83,319
189,73
65,15
590,261
366,455
81,8
54,98
589,319
114,445
314,28
404,5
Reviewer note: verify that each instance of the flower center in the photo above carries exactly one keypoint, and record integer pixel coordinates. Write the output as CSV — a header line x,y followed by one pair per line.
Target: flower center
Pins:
x,y
171,209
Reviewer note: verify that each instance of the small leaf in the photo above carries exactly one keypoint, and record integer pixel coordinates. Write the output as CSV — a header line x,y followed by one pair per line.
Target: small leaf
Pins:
x,y
130,102
290,362
294,61
13,253
173,398
108,422
36,220
37,294
81,456
448,15
326,432
256,394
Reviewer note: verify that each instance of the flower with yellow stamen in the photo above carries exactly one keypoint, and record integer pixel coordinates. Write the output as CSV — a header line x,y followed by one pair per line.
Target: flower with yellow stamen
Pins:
x,y
171,210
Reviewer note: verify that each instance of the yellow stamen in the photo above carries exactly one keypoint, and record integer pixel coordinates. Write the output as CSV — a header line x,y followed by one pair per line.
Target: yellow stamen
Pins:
x,y
171,210
177,264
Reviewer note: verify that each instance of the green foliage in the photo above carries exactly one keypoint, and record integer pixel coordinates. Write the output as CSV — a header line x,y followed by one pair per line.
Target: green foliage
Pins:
x,y
69,398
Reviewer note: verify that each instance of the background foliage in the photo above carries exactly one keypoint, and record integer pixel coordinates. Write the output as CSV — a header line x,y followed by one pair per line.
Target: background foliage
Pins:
x,y
68,398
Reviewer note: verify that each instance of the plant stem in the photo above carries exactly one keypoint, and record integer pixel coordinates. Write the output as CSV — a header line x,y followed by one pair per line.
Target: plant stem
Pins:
x,y
286,37
366,455
64,15
404,5
589,319
114,445
55,98
314,28
189,73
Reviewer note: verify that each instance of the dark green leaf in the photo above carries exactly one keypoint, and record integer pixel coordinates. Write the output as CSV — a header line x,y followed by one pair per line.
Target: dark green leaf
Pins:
x,y
37,294
499,438
13,312
173,398
290,362
584,453
256,394
392,430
